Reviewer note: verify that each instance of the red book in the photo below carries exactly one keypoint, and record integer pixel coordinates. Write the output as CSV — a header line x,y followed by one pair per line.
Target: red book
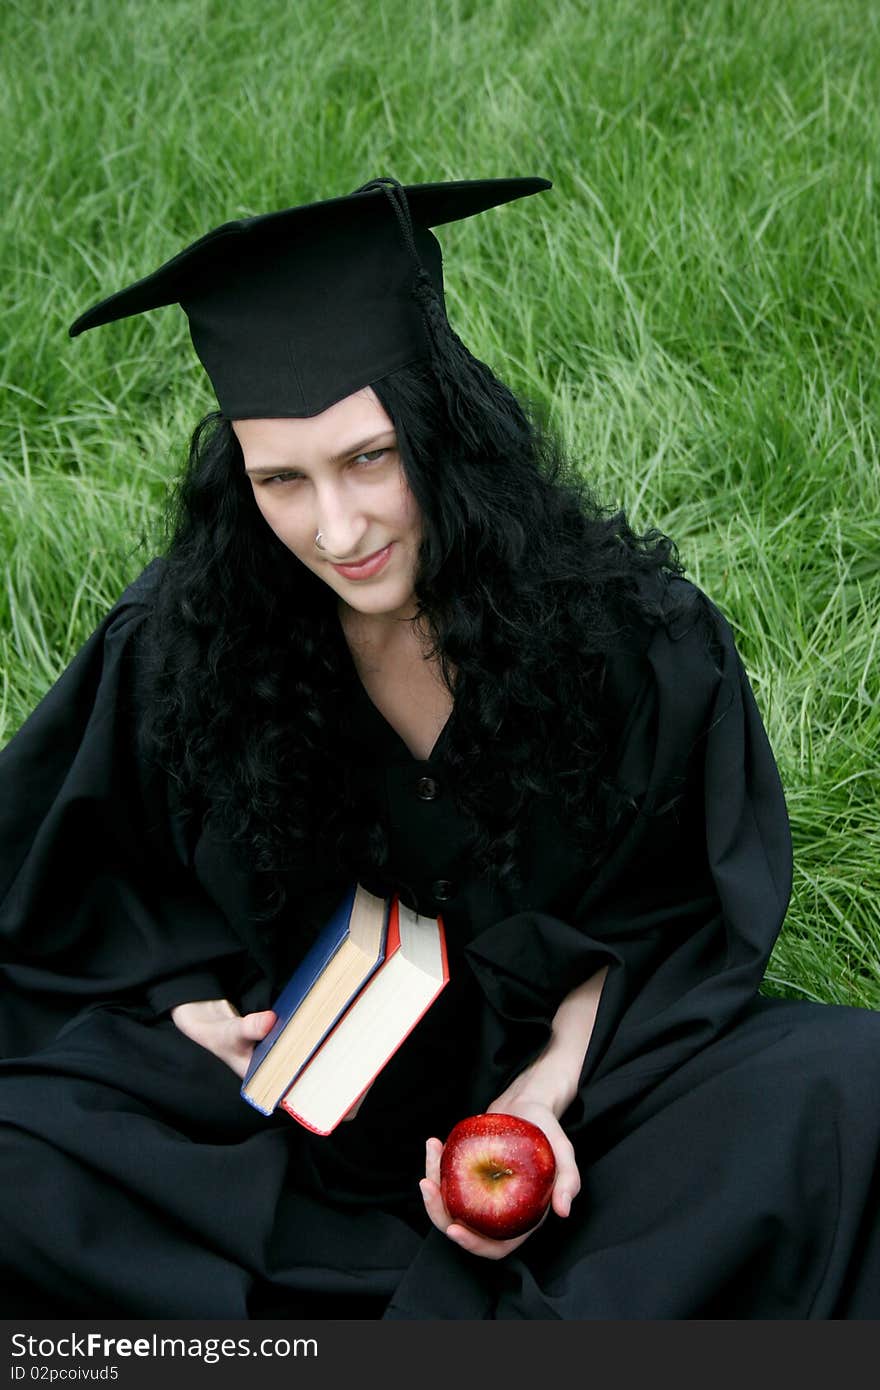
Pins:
x,y
413,973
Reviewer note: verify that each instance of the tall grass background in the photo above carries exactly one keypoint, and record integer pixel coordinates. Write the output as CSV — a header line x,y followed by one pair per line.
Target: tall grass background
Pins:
x,y
695,303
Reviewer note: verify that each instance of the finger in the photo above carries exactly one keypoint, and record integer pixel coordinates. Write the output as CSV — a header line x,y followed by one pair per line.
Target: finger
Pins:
x,y
476,1244
430,1185
350,1114
561,1201
434,1204
238,1064
433,1151
567,1182
566,1187
488,1247
239,1037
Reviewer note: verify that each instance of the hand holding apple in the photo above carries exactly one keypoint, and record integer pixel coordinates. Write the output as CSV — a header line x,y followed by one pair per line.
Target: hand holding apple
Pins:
x,y
496,1174
565,1188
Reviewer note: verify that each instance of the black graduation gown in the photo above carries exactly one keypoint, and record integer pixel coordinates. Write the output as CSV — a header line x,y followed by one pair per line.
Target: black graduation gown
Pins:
x,y
727,1143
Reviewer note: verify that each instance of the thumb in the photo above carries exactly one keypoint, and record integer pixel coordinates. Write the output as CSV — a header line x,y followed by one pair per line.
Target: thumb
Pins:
x,y
253,1027
566,1188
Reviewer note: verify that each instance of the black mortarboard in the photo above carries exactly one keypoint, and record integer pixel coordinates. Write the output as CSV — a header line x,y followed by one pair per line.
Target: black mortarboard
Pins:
x,y
294,310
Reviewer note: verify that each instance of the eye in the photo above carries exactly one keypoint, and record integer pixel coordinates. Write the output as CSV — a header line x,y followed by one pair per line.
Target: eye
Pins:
x,y
282,478
372,457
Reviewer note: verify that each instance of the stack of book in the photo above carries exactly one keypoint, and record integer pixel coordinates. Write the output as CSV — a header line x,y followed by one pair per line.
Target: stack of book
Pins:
x,y
373,971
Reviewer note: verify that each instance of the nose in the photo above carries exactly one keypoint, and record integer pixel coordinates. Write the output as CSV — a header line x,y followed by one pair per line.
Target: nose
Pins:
x,y
342,526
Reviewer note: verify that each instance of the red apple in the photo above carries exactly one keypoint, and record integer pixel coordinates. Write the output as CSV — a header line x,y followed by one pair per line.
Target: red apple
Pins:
x,y
496,1174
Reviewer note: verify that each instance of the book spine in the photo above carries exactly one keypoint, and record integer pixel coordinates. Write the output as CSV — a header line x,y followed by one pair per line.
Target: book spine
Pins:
x,y
303,979
250,1100
313,1129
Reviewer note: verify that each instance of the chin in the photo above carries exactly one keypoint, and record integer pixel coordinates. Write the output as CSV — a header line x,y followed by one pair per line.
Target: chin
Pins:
x,y
381,603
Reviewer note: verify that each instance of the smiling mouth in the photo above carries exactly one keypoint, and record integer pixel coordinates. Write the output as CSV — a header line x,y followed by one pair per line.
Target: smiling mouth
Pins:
x,y
357,564
365,569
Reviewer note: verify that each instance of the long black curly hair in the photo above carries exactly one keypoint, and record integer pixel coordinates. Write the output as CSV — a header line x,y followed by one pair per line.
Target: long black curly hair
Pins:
x,y
524,580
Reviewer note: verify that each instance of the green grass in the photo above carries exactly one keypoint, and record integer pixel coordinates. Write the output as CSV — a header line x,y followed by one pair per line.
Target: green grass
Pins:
x,y
695,302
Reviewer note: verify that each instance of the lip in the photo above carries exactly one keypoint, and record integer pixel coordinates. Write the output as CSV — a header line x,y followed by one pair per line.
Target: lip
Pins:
x,y
372,565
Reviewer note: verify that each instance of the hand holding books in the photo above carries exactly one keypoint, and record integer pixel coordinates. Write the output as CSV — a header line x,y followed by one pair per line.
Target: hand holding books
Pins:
x,y
216,1025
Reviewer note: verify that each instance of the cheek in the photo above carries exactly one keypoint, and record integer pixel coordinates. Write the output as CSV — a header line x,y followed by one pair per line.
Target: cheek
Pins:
x,y
408,509
283,522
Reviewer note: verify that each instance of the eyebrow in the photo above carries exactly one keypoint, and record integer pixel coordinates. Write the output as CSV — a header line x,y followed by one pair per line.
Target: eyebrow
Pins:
x,y
361,446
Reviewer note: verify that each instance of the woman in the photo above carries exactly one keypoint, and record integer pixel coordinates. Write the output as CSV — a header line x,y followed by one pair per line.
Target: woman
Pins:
x,y
393,640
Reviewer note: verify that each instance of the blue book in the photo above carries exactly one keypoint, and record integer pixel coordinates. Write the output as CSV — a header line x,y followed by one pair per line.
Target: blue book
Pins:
x,y
332,972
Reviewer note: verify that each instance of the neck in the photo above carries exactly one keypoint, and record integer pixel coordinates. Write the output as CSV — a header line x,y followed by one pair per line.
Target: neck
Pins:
x,y
379,630
382,637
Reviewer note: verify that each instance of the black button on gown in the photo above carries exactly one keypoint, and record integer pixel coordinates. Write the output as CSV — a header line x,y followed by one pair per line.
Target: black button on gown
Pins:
x,y
727,1143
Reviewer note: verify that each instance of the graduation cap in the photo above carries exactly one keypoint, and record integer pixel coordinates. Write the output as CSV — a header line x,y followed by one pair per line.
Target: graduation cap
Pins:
x,y
294,310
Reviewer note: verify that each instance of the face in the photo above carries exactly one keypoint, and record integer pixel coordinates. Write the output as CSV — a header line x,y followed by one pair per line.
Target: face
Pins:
x,y
339,473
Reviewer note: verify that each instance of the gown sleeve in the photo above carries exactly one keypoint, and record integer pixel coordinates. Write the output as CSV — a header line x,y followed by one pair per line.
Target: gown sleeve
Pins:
x,y
688,903
97,901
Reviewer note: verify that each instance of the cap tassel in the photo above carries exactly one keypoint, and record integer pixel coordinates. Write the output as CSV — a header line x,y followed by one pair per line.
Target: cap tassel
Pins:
x,y
457,371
